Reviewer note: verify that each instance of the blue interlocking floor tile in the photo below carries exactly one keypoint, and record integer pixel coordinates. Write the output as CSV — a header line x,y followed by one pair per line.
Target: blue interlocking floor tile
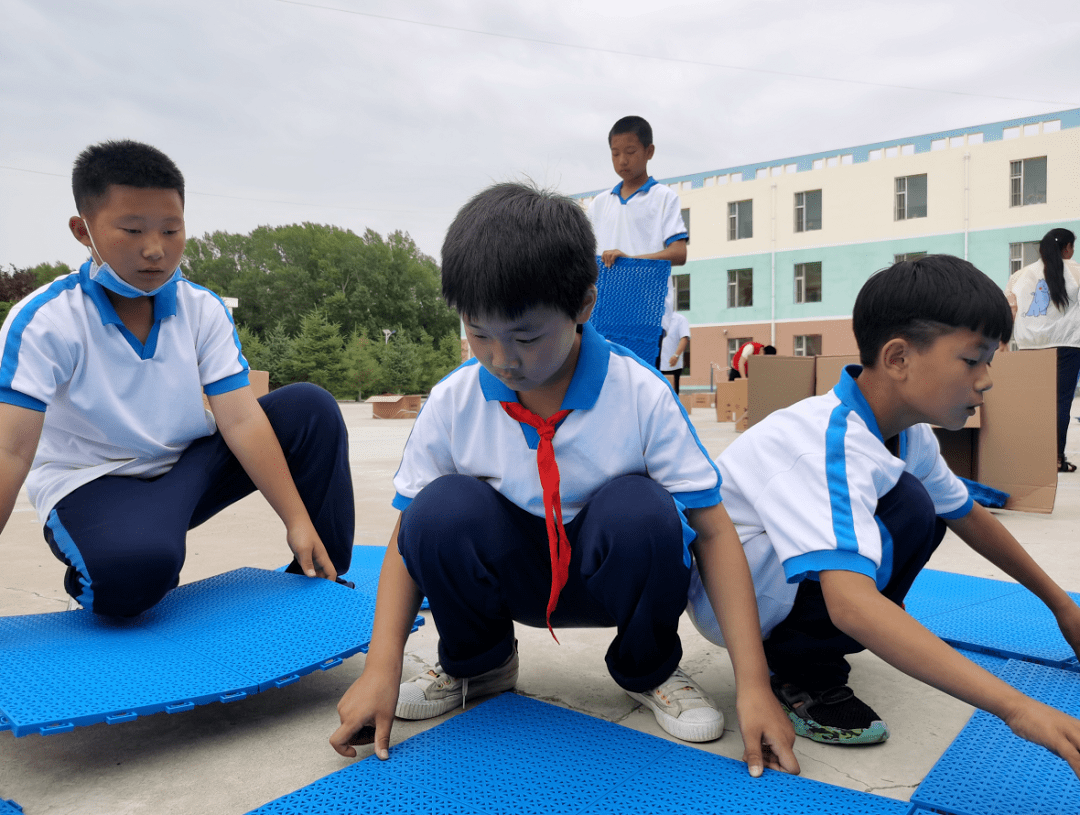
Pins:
x,y
990,662
8,807
935,593
519,756
630,303
219,639
365,569
989,771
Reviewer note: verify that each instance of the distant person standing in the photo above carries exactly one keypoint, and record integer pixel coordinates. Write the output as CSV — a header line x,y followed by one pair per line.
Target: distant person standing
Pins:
x,y
639,218
673,347
1045,299
742,357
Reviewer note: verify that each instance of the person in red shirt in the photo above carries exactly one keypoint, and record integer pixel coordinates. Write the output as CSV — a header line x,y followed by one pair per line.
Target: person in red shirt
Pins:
x,y
742,357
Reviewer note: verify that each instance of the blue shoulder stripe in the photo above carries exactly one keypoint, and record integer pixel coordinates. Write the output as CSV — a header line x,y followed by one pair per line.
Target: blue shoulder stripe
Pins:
x,y
10,360
836,478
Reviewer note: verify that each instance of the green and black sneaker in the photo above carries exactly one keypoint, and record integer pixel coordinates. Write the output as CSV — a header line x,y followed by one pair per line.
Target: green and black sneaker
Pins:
x,y
834,716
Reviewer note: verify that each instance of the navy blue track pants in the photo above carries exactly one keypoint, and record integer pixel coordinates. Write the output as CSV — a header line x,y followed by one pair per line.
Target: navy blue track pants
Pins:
x,y
124,538
483,564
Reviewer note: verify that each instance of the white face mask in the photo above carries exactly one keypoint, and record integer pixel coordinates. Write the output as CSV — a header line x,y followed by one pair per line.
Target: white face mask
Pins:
x,y
107,277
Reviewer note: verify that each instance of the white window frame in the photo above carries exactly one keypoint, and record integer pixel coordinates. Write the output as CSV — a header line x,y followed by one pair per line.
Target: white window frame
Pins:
x,y
803,343
1017,170
734,279
681,283
800,211
1017,259
801,270
735,223
902,207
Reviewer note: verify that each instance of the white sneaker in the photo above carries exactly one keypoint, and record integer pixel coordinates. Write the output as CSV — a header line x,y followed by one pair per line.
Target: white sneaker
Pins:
x,y
434,692
683,709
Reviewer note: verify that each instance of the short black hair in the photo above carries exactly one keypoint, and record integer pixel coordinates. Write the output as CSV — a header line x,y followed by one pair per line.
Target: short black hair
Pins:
x,y
632,124
513,247
921,300
126,162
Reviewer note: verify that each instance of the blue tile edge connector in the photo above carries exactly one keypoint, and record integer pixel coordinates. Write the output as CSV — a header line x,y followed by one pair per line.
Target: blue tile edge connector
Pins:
x,y
989,771
216,640
520,755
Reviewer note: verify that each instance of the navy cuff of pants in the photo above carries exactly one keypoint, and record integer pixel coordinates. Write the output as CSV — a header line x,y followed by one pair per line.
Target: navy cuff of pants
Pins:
x,y
483,564
124,538
806,648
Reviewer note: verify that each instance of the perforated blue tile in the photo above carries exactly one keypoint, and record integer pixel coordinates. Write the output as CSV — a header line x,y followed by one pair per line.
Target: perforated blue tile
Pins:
x,y
365,568
8,807
517,755
989,771
935,593
630,303
219,639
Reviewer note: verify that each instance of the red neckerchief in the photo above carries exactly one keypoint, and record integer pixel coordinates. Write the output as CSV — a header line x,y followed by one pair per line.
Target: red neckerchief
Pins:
x,y
558,544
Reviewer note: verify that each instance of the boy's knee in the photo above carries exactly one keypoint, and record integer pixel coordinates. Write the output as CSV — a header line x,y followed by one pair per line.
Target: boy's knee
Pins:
x,y
633,504
303,401
444,510
135,585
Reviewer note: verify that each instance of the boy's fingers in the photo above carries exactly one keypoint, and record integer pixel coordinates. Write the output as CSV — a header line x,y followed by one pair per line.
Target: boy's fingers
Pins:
x,y
754,762
340,741
382,736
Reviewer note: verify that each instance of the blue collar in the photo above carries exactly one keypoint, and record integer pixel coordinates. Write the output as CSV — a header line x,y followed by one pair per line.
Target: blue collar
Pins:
x,y
589,375
648,185
164,300
847,391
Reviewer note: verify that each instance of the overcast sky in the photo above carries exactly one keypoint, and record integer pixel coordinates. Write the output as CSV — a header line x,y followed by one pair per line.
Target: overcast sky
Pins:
x,y
390,115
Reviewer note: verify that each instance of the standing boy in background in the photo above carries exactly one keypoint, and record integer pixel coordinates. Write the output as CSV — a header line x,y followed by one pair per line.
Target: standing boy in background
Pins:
x,y
549,422
638,218
101,409
673,347
841,499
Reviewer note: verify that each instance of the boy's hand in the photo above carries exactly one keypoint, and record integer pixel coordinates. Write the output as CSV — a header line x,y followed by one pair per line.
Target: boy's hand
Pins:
x,y
1056,731
307,547
672,361
611,255
767,733
370,701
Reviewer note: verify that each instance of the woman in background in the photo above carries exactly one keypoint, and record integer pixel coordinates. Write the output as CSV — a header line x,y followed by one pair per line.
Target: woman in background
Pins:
x,y
1045,299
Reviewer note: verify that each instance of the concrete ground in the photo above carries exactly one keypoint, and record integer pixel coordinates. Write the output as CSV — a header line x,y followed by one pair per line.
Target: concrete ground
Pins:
x,y
230,758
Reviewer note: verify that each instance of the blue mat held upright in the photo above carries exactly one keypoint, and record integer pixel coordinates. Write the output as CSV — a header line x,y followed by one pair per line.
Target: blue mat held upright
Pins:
x,y
630,304
517,755
219,639
989,771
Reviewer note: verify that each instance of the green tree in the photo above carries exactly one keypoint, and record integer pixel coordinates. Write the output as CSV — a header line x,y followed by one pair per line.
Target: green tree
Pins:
x,y
317,355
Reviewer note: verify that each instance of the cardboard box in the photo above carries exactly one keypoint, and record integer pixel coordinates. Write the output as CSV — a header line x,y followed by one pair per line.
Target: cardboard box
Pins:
x,y
775,383
1010,444
731,401
394,406
687,401
702,398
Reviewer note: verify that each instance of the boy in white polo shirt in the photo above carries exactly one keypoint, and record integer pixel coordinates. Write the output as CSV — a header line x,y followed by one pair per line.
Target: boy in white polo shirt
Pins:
x,y
549,424
638,218
101,383
841,499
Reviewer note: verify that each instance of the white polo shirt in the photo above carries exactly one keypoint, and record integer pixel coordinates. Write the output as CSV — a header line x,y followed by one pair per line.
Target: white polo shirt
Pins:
x,y
802,487
646,222
113,405
676,327
626,420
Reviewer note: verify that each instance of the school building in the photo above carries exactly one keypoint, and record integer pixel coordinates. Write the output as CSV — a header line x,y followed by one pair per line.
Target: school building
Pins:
x,y
779,249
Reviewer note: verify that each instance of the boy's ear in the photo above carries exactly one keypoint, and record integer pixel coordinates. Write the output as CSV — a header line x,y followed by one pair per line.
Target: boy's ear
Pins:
x,y
649,152
895,358
587,306
78,228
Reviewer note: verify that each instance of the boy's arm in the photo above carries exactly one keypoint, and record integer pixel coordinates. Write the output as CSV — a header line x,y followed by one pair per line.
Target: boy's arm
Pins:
x,y
674,252
247,431
683,343
858,609
984,533
373,697
20,429
726,578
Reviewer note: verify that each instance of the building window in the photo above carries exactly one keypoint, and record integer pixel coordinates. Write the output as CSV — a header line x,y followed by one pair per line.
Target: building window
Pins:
x,y
1027,182
911,197
808,282
733,346
908,256
807,210
740,288
807,345
682,291
686,222
1022,254
740,220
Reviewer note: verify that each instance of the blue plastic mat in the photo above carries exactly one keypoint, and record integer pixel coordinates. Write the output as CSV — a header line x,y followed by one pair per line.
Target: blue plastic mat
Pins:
x,y
991,616
9,807
517,755
219,639
630,304
989,771
365,568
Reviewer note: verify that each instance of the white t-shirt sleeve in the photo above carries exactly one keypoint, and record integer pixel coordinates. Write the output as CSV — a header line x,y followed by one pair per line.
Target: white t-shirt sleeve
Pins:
x,y
427,455
37,359
949,494
674,457
673,227
222,366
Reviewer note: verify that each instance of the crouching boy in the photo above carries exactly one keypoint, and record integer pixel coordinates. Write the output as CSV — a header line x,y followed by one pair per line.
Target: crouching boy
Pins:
x,y
554,480
841,499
